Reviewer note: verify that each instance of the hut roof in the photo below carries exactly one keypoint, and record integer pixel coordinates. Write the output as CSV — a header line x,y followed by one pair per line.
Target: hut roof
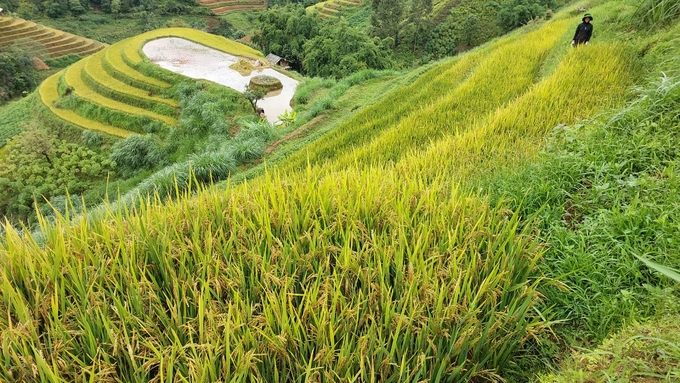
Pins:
x,y
274,59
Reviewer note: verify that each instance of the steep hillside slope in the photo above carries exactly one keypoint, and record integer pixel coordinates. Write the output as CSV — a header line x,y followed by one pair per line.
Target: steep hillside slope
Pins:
x,y
370,256
54,42
115,91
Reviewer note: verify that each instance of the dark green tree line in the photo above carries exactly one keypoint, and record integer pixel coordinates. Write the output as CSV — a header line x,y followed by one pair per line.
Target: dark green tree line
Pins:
x,y
17,74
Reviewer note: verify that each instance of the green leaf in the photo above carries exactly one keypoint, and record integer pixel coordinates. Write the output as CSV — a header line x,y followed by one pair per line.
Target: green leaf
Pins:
x,y
667,271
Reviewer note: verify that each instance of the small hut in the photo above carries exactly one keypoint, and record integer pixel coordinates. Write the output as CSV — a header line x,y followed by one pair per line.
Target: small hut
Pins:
x,y
277,60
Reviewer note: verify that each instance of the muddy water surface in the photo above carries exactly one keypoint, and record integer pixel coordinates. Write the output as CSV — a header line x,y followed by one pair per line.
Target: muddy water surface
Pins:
x,y
200,62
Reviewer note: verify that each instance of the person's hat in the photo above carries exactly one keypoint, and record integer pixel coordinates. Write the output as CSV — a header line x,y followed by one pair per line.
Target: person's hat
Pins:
x,y
587,16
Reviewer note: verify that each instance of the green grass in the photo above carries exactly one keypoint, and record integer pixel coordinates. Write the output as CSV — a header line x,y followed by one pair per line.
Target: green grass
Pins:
x,y
643,352
14,116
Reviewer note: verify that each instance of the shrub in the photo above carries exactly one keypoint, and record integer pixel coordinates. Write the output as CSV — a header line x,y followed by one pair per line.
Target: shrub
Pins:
x,y
92,138
139,152
261,129
248,149
212,166
63,61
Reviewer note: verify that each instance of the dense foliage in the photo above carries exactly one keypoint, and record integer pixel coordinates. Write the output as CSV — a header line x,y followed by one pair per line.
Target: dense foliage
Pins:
x,y
340,50
38,166
319,48
515,13
62,8
17,74
284,31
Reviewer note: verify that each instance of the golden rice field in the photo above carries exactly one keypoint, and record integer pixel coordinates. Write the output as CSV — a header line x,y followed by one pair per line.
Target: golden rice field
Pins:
x,y
362,258
112,92
52,42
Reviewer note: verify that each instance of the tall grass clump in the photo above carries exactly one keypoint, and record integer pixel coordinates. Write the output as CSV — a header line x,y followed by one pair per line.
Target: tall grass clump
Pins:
x,y
305,90
655,13
139,152
360,275
608,194
204,109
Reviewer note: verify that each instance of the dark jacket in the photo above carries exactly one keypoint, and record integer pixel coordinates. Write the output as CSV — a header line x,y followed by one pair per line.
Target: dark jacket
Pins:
x,y
583,33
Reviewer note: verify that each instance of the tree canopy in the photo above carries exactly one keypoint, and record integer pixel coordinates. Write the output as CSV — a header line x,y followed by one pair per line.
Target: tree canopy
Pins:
x,y
284,31
340,50
17,74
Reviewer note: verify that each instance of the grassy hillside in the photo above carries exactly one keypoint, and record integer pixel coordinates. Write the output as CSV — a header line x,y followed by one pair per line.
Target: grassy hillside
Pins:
x,y
425,237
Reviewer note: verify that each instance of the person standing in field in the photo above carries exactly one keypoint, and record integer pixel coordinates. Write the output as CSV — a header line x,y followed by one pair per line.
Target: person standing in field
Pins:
x,y
584,31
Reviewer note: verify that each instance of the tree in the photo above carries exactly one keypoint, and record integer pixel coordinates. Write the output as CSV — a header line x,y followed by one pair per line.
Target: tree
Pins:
x,y
515,13
386,18
76,7
17,74
420,22
469,24
253,95
284,31
340,50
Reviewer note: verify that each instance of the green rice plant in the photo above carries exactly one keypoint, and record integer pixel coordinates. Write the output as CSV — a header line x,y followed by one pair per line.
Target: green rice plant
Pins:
x,y
114,65
119,69
385,113
608,193
318,278
514,133
111,117
125,98
95,70
304,90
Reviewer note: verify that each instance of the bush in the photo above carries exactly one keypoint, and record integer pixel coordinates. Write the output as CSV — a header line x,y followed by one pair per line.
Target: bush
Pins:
x,y
248,149
212,166
139,152
92,138
259,129
515,13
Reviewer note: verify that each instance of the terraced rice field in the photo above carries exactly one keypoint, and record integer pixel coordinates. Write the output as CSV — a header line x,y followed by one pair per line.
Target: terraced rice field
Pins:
x,y
333,8
55,42
119,92
220,7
